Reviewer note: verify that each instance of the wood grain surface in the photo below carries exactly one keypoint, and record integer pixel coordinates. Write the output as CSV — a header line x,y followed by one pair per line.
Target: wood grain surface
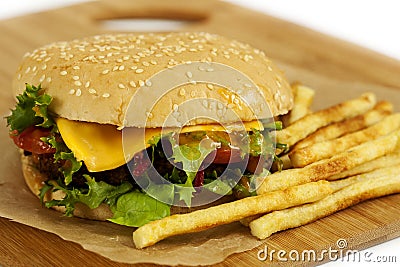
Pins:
x,y
323,60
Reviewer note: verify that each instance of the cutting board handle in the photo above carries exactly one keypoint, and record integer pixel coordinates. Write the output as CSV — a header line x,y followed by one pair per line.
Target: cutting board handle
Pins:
x,y
191,10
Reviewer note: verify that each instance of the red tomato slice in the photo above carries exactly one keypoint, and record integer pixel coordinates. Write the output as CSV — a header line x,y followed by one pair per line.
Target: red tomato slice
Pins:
x,y
29,140
226,155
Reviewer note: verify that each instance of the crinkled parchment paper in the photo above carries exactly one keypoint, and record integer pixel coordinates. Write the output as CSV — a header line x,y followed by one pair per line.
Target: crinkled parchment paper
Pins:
x,y
107,239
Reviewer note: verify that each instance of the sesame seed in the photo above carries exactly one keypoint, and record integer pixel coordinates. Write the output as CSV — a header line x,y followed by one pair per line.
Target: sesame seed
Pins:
x,y
175,107
105,95
115,68
78,92
149,115
247,85
189,74
77,83
246,58
182,92
48,79
19,76
34,68
134,67
122,67
193,93
75,78
193,81
105,71
42,78
269,68
210,86
148,83
139,70
87,84
71,92
76,67
141,83
119,60
276,96
231,106
92,91
28,70
153,62
210,69
145,63
132,83
105,61
121,86
63,73
44,67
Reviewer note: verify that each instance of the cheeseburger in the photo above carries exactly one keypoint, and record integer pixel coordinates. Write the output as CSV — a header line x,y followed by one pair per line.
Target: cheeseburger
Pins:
x,y
131,128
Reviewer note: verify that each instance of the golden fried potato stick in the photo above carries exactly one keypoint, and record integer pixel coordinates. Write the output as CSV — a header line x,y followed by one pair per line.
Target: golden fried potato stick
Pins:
x,y
303,97
307,155
385,161
327,167
385,171
346,197
341,128
199,220
340,184
312,122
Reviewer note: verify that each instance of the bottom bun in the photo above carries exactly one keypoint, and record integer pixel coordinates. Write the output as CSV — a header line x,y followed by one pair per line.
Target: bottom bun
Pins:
x,y
35,181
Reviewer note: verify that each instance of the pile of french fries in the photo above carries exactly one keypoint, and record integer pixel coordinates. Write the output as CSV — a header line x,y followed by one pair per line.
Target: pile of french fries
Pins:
x,y
338,157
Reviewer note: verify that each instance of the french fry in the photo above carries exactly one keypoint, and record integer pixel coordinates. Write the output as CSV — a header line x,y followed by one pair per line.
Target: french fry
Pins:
x,y
341,128
307,155
385,161
386,171
325,168
303,97
348,196
199,220
312,122
340,184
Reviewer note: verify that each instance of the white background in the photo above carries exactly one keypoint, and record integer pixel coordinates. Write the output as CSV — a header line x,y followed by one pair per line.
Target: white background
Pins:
x,y
373,24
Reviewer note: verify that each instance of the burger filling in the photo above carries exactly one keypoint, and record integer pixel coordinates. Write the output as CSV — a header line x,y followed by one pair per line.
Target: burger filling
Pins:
x,y
189,163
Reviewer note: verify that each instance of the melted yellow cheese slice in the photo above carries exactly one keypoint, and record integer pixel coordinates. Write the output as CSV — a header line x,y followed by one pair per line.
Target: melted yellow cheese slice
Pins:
x,y
101,146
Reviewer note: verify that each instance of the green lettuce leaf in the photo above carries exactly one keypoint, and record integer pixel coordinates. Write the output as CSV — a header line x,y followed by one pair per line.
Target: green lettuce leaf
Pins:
x,y
219,187
136,209
191,155
31,109
162,192
97,193
64,153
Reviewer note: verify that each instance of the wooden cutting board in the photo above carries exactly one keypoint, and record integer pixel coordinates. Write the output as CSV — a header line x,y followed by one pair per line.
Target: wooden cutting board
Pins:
x,y
315,59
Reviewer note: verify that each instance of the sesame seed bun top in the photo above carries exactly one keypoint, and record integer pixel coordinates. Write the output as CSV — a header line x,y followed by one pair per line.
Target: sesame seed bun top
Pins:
x,y
94,79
